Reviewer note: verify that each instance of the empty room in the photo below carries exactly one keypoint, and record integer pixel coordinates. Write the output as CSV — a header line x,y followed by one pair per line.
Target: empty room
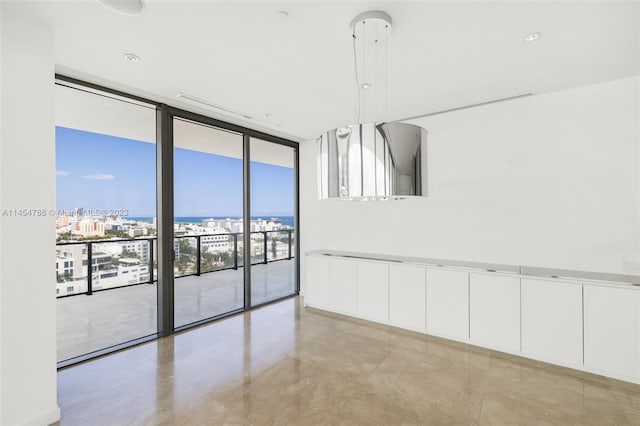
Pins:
x,y
319,212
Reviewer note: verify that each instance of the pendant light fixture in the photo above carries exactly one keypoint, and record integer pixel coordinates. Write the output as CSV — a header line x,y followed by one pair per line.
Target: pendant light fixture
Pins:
x,y
371,159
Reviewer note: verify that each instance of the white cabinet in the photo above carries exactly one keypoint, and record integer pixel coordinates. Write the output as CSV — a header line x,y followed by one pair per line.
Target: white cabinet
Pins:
x,y
494,311
343,285
407,296
611,331
373,291
448,303
552,321
590,326
317,283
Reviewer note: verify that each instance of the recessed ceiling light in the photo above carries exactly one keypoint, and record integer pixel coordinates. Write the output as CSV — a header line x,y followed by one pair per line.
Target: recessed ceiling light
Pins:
x,y
531,37
366,85
126,7
131,57
283,14
268,115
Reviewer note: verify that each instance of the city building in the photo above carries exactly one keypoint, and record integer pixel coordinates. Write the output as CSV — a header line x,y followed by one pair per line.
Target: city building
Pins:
x,y
220,241
76,254
140,248
62,221
89,228
509,294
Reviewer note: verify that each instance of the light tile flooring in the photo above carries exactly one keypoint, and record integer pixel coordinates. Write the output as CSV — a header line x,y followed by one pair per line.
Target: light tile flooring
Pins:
x,y
106,318
284,364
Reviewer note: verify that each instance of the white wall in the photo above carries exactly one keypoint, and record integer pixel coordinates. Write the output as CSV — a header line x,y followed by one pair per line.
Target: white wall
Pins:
x,y
27,181
550,180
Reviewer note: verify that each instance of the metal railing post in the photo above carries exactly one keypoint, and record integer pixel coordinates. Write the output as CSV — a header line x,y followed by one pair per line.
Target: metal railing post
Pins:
x,y
89,268
235,251
198,252
289,232
150,260
265,246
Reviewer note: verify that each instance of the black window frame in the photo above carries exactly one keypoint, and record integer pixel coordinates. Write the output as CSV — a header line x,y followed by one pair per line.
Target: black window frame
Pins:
x,y
165,114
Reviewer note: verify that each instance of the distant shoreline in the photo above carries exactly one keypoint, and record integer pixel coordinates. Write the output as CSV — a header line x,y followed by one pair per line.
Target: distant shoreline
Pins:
x,y
286,220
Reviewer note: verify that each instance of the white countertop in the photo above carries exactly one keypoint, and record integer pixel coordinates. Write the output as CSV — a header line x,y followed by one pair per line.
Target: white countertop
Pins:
x,y
522,271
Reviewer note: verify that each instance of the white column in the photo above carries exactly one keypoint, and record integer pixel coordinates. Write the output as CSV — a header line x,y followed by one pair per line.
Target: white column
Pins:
x,y
27,181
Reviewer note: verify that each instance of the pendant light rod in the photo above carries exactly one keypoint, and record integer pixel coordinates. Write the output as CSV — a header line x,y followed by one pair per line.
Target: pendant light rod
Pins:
x,y
355,68
368,30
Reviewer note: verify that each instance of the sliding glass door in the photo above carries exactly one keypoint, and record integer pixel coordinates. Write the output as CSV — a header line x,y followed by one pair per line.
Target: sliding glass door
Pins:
x,y
273,242
105,233
208,188
165,219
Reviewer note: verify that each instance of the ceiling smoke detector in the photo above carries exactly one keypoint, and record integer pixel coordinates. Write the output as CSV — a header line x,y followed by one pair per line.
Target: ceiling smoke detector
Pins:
x,y
131,57
531,37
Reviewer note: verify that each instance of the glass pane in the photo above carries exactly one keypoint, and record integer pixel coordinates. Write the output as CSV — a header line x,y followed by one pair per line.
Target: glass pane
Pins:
x,y
209,278
105,278
273,270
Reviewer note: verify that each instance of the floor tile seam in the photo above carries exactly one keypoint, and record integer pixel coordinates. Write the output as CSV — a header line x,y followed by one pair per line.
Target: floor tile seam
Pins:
x,y
482,370
377,367
360,377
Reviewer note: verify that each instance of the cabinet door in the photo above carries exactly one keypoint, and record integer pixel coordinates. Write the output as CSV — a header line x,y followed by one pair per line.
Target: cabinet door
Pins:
x,y
552,321
343,293
373,291
448,303
407,296
317,283
494,311
611,328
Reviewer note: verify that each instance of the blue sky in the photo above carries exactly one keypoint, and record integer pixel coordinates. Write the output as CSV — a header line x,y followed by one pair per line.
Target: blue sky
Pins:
x,y
96,171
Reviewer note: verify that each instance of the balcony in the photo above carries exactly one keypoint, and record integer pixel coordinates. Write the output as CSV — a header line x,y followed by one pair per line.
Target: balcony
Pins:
x,y
116,303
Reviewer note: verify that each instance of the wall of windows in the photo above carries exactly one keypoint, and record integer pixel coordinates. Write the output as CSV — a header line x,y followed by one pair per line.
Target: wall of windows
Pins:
x,y
208,188
273,243
157,208
105,203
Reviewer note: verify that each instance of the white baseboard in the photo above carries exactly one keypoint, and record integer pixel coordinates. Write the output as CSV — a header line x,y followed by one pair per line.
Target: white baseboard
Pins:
x,y
44,419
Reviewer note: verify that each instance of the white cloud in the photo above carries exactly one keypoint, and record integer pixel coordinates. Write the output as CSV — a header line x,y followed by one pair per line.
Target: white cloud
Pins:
x,y
62,173
98,177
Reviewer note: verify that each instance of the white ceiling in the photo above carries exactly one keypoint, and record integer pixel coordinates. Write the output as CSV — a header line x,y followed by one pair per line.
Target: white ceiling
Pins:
x,y
242,56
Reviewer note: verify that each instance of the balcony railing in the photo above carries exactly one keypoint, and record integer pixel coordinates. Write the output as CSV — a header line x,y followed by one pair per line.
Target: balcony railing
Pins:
x,y
193,255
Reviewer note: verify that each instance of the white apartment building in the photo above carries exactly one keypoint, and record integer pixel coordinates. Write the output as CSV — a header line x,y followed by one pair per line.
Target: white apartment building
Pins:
x,y
64,266
214,243
266,225
75,253
108,268
140,248
127,272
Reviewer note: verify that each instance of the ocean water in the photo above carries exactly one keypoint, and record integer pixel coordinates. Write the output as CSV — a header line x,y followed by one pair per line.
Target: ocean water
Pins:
x,y
286,220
